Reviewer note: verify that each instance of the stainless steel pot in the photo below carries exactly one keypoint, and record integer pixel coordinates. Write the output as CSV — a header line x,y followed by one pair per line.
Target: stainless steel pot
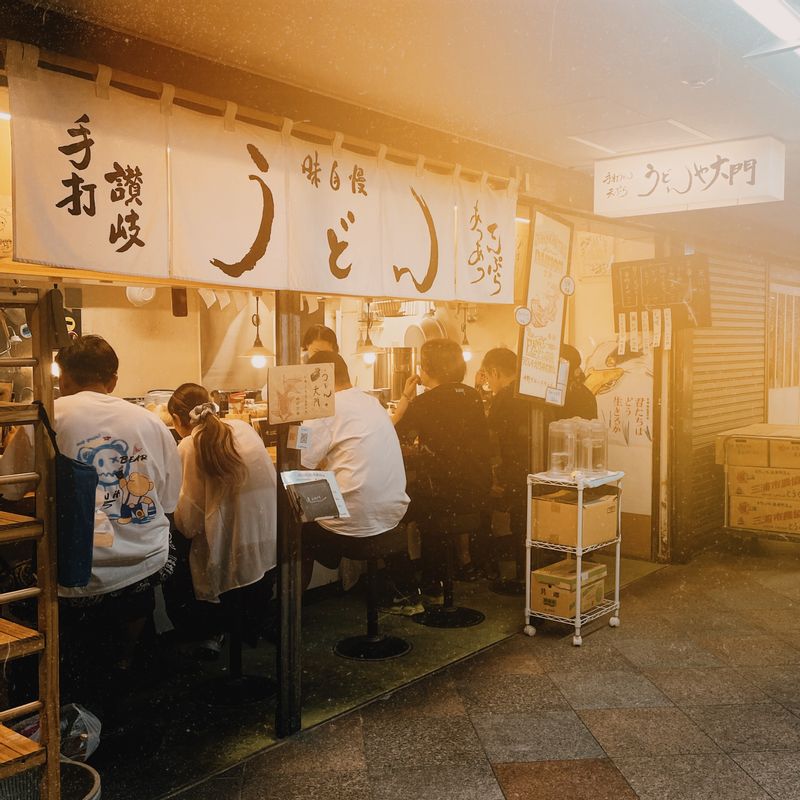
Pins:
x,y
393,367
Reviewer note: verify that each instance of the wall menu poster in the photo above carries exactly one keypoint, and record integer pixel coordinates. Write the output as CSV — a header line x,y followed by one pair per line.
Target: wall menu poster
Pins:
x,y
540,339
680,284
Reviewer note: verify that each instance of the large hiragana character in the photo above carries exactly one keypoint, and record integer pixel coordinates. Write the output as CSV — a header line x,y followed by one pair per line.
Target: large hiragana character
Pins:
x,y
259,246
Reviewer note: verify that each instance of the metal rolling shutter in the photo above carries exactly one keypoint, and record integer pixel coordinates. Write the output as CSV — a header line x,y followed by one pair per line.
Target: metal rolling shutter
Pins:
x,y
719,379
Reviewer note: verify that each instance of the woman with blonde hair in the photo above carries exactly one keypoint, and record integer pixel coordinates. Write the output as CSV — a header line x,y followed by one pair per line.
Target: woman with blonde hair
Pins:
x,y
227,506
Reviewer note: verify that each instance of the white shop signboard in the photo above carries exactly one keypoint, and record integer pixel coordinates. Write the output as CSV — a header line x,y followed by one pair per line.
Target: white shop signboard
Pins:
x,y
703,176
108,181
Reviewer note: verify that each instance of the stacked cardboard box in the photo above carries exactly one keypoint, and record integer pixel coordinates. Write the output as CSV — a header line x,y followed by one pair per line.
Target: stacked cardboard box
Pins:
x,y
763,474
554,518
554,588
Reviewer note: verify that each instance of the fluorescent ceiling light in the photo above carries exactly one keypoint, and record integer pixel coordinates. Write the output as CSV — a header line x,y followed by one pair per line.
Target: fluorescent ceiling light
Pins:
x,y
593,144
780,19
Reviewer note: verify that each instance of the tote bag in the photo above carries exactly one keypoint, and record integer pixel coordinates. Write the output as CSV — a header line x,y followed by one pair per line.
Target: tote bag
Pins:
x,y
76,484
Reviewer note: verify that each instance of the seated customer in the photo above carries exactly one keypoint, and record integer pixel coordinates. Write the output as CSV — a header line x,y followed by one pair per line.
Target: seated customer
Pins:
x,y
453,470
509,424
227,506
139,475
359,445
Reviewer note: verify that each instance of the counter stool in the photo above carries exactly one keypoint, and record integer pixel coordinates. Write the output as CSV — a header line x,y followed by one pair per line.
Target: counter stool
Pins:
x,y
374,645
449,527
236,688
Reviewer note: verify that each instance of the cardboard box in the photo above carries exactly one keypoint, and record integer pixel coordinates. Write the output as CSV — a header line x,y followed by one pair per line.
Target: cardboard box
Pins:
x,y
749,446
764,514
784,453
555,518
746,451
764,482
553,588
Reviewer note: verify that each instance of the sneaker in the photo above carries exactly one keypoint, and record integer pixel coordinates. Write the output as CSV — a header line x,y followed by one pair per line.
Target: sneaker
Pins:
x,y
404,605
209,649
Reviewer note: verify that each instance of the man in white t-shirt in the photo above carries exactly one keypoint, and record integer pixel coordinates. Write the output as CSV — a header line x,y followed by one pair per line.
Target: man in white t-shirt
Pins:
x,y
139,474
359,445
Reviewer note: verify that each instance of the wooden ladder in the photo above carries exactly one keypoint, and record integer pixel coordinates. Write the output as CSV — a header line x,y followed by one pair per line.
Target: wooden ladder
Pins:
x,y
18,753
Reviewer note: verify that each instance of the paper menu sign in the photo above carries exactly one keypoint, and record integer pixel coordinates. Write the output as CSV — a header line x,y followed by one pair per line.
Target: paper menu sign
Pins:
x,y
634,317
621,336
300,391
668,329
646,342
315,494
656,328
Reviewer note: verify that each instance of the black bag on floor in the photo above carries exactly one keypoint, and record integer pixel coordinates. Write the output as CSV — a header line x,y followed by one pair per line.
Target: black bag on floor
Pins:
x,y
76,485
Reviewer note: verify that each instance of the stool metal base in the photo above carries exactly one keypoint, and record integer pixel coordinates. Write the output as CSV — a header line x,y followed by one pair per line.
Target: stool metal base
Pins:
x,y
227,691
508,587
449,617
372,648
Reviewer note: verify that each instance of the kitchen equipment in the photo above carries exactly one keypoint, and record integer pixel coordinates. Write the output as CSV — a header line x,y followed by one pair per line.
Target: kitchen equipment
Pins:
x,y
393,367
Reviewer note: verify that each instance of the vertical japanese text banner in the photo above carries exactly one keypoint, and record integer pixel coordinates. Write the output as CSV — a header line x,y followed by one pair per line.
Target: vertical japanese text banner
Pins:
x,y
540,340
418,233
90,176
229,202
334,224
485,246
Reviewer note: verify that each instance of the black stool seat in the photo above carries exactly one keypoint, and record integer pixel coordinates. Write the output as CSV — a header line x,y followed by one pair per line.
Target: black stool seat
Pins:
x,y
236,688
449,525
374,645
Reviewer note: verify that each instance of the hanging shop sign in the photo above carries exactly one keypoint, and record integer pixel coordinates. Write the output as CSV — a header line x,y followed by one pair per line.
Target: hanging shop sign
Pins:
x,y
229,201
94,168
335,236
548,283
485,262
90,176
418,233
705,176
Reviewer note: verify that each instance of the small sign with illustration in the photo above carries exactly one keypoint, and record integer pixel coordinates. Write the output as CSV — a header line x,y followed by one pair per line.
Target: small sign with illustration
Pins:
x,y
300,391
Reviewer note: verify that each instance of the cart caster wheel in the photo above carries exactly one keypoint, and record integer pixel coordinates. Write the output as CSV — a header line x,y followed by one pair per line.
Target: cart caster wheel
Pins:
x,y
614,622
577,641
529,630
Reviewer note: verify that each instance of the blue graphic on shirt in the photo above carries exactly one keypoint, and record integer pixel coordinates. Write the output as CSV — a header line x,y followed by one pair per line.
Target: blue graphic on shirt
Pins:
x,y
123,495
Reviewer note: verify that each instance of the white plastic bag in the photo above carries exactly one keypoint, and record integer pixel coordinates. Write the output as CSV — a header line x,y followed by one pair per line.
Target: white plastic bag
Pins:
x,y
80,731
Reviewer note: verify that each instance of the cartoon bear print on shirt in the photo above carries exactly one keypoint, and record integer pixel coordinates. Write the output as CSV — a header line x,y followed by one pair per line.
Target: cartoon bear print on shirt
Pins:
x,y
119,498
137,507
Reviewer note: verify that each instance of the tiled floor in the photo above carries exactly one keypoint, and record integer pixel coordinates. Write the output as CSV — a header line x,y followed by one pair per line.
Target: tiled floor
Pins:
x,y
695,696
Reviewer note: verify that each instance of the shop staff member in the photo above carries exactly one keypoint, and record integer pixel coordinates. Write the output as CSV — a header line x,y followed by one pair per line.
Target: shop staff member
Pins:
x,y
359,445
579,400
139,475
319,338
509,424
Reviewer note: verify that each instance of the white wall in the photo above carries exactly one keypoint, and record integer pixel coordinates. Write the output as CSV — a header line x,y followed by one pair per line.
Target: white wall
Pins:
x,y
155,349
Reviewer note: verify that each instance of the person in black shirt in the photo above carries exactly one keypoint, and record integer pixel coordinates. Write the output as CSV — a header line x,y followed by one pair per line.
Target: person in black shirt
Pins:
x,y
451,462
579,402
509,423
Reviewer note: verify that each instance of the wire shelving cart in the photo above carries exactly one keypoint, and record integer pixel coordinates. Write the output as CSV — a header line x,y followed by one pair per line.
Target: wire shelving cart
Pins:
x,y
579,484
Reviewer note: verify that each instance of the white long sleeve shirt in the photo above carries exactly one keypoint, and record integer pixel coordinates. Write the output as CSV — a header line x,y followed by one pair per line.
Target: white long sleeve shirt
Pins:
x,y
233,536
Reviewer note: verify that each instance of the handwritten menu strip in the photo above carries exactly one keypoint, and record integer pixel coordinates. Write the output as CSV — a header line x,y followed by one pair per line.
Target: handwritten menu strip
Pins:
x,y
680,284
